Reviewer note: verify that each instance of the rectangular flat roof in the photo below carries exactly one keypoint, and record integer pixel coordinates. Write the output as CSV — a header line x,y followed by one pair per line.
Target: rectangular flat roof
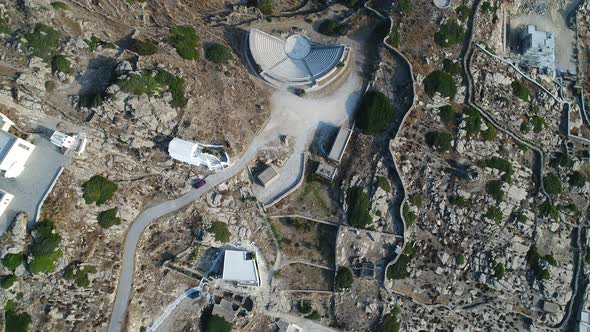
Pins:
x,y
269,174
6,141
327,171
238,267
340,144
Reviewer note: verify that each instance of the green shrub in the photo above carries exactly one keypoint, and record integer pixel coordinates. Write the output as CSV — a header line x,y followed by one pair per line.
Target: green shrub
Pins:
x,y
315,315
440,141
147,47
220,231
90,101
416,200
549,210
449,34
186,41
494,188
453,68
520,90
375,113
551,260
487,8
390,322
409,215
538,123
404,6
494,214
59,5
473,121
383,183
521,217
489,134
534,262
457,200
13,321
399,270
463,12
349,3
394,37
46,239
441,82
552,184
577,179
214,323
460,260
44,264
60,63
154,81
561,159
43,41
525,127
94,42
333,28
12,261
305,307
74,272
502,165
447,115
108,218
98,189
358,208
8,281
343,278
265,6
218,53
499,271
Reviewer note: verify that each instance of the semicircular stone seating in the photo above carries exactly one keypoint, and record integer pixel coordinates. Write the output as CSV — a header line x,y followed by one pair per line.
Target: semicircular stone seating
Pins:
x,y
277,66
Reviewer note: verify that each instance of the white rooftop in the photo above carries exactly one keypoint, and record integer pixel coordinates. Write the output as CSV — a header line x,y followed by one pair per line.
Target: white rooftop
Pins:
x,y
237,267
295,60
196,154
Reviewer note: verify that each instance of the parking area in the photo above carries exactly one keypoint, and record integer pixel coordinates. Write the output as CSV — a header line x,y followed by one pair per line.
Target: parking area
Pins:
x,y
31,187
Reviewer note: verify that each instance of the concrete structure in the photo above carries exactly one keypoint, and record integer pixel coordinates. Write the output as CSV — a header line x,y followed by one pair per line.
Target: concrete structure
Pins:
x,y
284,326
211,156
326,171
240,267
76,143
584,321
268,175
5,199
340,144
295,61
14,153
5,122
537,50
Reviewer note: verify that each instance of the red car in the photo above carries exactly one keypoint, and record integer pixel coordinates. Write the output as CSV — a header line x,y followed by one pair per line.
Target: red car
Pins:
x,y
199,183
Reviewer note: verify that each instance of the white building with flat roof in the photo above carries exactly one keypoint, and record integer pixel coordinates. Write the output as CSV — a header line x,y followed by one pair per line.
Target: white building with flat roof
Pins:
x,y
5,199
14,153
240,267
538,50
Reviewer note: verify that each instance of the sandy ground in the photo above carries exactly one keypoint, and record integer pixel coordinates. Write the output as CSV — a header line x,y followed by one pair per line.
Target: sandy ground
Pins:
x,y
555,21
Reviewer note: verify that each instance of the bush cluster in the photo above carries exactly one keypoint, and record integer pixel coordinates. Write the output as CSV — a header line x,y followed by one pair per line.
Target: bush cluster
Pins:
x,y
12,261
549,210
449,34
440,141
375,113
447,114
535,263
152,81
520,90
502,165
404,7
59,5
7,281
552,184
358,208
43,41
214,323
98,189
94,42
493,213
220,231
60,63
409,215
218,53
14,321
390,322
186,41
399,270
463,12
333,28
577,179
79,274
441,82
394,37
473,121
143,47
45,248
108,218
494,188
343,278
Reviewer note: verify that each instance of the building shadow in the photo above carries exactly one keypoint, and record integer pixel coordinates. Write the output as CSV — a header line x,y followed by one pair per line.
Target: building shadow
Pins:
x,y
323,138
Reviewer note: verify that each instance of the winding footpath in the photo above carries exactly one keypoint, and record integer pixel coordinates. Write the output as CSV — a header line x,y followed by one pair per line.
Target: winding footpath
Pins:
x,y
147,217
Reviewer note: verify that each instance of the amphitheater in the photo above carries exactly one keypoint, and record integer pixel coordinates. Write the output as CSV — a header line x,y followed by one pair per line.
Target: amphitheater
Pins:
x,y
296,61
